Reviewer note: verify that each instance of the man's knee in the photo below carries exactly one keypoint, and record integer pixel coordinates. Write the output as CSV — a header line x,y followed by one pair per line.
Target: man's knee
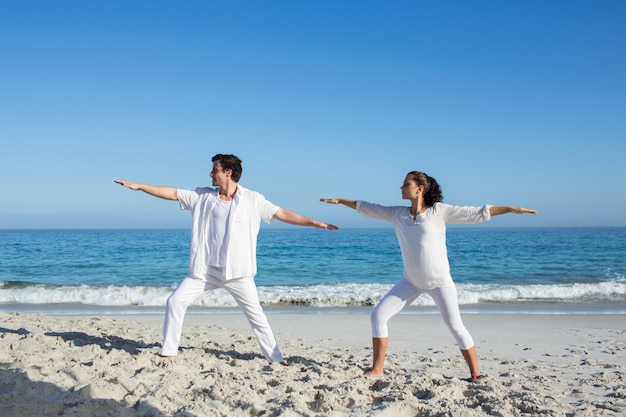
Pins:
x,y
175,301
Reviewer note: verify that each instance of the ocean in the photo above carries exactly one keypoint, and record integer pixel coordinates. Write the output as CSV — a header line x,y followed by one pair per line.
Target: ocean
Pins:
x,y
496,269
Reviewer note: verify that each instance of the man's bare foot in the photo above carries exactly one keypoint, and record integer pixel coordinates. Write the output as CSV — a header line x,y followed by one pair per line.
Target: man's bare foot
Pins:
x,y
373,374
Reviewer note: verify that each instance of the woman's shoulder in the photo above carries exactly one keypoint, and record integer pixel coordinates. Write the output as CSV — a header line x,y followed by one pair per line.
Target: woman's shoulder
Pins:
x,y
437,206
380,206
440,209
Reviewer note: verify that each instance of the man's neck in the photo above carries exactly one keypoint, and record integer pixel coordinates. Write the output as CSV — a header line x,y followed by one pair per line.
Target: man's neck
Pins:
x,y
227,193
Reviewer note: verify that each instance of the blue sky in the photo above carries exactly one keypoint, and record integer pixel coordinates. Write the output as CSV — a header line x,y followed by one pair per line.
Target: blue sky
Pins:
x,y
503,102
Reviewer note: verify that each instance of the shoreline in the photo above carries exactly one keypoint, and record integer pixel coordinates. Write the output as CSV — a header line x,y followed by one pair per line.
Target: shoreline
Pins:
x,y
534,307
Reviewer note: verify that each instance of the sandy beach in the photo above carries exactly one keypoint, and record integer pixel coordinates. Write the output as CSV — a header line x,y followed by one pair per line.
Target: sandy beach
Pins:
x,y
108,365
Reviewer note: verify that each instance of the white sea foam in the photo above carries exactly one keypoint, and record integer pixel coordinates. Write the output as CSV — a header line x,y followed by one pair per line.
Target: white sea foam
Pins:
x,y
329,295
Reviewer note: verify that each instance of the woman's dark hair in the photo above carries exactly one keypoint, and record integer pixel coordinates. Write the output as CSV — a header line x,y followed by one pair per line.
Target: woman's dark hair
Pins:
x,y
229,162
432,191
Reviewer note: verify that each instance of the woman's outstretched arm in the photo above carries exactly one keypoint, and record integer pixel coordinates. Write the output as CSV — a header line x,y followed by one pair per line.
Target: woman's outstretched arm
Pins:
x,y
344,201
497,210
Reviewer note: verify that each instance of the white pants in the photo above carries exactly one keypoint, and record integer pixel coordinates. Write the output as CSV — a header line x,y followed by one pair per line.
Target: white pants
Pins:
x,y
245,294
404,293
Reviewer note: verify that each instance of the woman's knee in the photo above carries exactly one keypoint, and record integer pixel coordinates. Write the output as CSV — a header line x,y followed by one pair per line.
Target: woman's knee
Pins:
x,y
379,324
461,335
456,327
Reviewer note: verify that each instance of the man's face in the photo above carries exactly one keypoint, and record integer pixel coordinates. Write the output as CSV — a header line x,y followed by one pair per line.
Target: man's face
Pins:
x,y
219,176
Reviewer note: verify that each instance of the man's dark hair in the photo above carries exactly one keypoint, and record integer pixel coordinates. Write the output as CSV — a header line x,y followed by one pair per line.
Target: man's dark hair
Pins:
x,y
229,162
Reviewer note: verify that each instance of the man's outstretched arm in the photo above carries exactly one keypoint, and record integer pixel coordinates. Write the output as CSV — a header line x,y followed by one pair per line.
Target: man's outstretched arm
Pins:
x,y
291,217
162,191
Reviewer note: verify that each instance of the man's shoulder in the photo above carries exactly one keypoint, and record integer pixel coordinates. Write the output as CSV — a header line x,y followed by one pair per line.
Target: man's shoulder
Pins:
x,y
251,196
205,192
246,192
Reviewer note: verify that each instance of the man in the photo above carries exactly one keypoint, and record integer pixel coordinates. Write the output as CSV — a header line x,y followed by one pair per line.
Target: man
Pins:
x,y
225,225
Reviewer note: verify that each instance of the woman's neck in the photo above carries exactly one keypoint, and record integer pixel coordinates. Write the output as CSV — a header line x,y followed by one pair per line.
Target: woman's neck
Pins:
x,y
417,208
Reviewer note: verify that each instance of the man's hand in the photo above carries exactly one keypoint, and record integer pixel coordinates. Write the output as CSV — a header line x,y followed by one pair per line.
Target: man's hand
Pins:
x,y
128,184
162,191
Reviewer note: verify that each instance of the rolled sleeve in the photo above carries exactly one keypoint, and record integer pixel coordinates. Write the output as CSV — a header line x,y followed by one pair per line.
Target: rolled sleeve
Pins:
x,y
267,211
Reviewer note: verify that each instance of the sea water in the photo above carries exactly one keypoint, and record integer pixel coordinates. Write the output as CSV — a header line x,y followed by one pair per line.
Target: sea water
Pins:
x,y
307,268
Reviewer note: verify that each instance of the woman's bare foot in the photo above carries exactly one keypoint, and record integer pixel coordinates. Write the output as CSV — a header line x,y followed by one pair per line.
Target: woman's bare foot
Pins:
x,y
475,378
373,374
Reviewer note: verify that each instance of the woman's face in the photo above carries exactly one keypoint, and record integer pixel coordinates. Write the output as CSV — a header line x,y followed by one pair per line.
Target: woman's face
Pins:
x,y
410,190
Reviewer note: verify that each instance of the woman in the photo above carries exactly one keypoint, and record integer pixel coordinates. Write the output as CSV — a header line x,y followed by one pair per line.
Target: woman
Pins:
x,y
421,232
